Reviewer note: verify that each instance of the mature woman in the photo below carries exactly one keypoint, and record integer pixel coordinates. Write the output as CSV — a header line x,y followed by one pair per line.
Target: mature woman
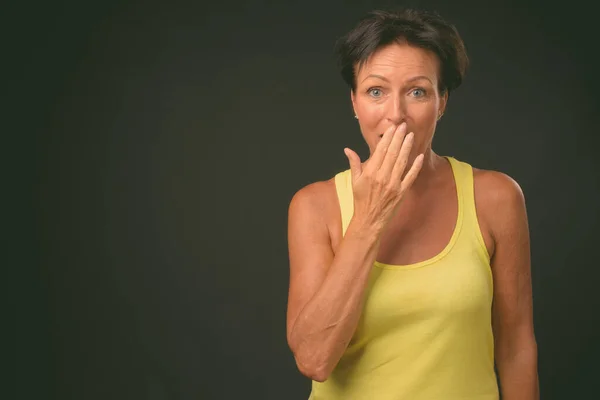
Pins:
x,y
409,272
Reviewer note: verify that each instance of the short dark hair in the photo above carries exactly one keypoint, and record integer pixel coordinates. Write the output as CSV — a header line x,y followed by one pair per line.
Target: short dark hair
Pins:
x,y
419,28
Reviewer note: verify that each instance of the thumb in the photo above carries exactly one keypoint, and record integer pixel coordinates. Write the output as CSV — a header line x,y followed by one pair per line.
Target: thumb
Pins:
x,y
355,164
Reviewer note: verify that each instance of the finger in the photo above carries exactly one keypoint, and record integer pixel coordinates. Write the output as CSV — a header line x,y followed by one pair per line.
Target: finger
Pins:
x,y
412,174
379,153
393,152
355,165
401,160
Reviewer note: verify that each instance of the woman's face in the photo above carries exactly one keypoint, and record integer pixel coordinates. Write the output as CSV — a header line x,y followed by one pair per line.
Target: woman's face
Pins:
x,y
399,83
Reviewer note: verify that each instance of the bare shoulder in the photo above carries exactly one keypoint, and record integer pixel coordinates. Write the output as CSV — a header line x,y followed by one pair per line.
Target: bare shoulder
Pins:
x,y
316,202
316,197
495,188
499,199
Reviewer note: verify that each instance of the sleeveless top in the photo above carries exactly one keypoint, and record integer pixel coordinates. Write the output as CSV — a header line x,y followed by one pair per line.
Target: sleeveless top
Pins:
x,y
425,332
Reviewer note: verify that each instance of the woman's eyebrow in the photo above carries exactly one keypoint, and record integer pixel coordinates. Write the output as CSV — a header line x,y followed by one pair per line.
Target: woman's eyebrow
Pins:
x,y
414,78
376,76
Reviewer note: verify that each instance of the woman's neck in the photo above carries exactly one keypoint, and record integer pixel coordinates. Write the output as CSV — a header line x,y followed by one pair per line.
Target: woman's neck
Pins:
x,y
430,174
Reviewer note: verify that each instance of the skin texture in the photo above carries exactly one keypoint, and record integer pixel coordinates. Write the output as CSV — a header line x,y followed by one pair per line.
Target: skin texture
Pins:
x,y
328,272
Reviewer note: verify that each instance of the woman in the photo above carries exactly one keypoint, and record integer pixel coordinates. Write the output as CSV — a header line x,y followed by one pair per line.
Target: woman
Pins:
x,y
410,272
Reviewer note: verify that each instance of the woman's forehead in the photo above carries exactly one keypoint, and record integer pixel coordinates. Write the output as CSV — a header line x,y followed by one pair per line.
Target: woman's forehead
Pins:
x,y
399,61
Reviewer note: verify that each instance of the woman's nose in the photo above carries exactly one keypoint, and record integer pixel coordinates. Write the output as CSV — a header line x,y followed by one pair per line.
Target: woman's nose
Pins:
x,y
396,112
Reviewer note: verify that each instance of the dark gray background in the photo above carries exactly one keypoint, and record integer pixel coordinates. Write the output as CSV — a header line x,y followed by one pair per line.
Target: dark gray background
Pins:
x,y
155,148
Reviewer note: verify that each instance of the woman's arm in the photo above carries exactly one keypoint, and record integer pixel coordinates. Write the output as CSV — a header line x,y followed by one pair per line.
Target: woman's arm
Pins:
x,y
512,311
326,291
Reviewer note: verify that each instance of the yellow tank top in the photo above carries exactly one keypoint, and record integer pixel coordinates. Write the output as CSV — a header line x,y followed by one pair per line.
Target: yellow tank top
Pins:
x,y
425,332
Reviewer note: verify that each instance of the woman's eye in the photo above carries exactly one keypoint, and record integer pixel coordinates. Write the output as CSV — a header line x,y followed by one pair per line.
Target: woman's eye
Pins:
x,y
374,92
418,92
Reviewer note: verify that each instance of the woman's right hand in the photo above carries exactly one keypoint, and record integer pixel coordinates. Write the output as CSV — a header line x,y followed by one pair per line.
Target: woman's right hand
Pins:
x,y
378,186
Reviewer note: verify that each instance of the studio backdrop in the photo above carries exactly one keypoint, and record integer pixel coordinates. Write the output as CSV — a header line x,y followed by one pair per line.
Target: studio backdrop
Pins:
x,y
163,142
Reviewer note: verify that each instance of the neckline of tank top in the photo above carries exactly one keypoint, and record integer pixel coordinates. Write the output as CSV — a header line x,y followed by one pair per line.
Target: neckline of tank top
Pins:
x,y
457,227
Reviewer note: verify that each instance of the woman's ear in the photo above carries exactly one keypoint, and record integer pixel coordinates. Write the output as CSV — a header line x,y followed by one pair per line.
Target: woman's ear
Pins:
x,y
353,98
443,102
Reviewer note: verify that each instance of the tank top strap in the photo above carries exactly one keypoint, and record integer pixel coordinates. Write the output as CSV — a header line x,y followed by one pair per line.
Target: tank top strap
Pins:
x,y
465,184
343,187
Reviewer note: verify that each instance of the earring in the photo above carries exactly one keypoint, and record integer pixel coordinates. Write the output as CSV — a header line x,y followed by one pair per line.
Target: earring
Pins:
x,y
355,116
440,116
